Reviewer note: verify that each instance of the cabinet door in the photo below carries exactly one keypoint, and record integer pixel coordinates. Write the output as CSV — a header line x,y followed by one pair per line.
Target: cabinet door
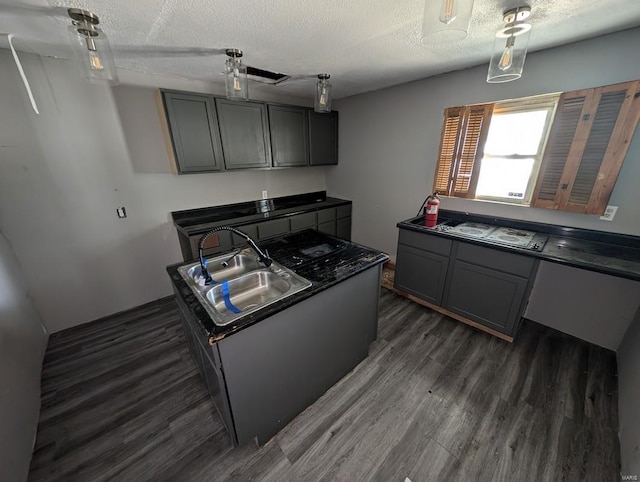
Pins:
x,y
323,138
481,294
327,228
289,136
194,132
244,134
343,228
421,273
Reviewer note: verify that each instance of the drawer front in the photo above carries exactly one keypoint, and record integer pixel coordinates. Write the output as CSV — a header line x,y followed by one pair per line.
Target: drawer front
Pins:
x,y
303,221
326,215
495,259
249,229
427,242
343,211
276,227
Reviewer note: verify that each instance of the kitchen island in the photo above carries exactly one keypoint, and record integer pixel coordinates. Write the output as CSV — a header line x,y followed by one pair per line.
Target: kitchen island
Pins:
x,y
268,366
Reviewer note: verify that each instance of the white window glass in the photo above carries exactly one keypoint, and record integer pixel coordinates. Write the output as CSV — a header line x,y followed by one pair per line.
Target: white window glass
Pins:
x,y
512,153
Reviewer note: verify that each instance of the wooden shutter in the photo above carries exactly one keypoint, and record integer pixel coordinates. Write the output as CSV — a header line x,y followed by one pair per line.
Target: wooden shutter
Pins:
x,y
464,133
589,139
448,147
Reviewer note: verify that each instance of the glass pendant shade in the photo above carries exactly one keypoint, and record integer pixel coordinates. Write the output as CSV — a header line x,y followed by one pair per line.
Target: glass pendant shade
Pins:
x,y
93,54
235,76
509,52
323,94
445,20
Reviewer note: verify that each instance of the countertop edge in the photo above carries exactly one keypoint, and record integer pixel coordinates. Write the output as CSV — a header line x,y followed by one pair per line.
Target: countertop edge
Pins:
x,y
193,229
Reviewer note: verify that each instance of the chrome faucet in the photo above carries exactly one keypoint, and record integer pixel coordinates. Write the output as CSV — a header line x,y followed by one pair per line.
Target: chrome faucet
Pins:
x,y
263,256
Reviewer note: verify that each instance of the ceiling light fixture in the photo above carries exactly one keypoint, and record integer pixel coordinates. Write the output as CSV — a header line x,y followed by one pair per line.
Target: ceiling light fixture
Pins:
x,y
447,20
510,46
235,76
91,47
323,94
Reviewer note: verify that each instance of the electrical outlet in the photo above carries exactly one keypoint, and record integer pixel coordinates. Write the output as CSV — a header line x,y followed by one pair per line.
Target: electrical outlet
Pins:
x,y
265,195
609,213
121,212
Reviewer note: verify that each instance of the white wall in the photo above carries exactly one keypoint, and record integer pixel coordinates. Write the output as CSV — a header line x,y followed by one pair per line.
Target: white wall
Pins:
x,y
64,173
22,346
628,397
389,139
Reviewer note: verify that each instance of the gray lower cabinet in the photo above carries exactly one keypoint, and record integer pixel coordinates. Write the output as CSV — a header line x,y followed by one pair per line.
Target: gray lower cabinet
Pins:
x,y
421,273
323,138
244,134
334,221
208,363
484,285
289,136
487,296
194,132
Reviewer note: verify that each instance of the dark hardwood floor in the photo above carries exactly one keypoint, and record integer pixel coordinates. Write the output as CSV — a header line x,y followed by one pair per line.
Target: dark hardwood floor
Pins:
x,y
435,401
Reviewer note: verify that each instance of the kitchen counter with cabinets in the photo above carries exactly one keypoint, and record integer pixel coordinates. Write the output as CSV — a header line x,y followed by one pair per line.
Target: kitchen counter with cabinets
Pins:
x,y
486,283
267,367
607,253
262,219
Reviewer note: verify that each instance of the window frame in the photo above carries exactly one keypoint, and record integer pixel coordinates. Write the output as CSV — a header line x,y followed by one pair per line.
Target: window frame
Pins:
x,y
548,102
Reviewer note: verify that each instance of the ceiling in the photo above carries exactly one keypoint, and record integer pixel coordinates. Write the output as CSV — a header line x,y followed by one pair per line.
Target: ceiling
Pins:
x,y
364,44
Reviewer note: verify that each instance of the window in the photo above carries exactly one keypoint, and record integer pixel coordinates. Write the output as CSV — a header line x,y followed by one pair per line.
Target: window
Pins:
x,y
513,150
558,152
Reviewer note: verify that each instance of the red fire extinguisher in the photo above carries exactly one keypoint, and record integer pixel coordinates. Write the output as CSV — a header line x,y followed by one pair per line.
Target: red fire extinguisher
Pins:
x,y
431,210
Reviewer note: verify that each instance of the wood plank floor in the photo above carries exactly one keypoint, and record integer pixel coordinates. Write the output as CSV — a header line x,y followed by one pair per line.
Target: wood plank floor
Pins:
x,y
436,400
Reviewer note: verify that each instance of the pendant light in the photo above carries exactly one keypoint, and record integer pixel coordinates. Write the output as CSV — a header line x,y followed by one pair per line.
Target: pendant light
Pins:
x,y
91,47
323,94
445,20
235,76
510,46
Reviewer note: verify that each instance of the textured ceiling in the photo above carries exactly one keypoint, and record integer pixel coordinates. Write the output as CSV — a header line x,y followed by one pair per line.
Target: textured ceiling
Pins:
x,y
364,44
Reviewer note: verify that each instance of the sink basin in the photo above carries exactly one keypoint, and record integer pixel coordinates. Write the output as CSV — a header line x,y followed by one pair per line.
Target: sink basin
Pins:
x,y
242,286
222,268
247,292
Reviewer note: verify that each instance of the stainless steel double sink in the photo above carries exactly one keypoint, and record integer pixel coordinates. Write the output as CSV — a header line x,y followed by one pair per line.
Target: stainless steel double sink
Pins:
x,y
241,285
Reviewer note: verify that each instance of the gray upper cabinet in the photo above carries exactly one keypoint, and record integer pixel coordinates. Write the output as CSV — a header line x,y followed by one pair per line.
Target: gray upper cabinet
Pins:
x,y
205,133
244,134
323,138
194,132
289,136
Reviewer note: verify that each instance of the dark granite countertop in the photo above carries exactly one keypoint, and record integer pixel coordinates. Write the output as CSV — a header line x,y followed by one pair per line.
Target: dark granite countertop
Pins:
x,y
608,253
196,221
346,260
